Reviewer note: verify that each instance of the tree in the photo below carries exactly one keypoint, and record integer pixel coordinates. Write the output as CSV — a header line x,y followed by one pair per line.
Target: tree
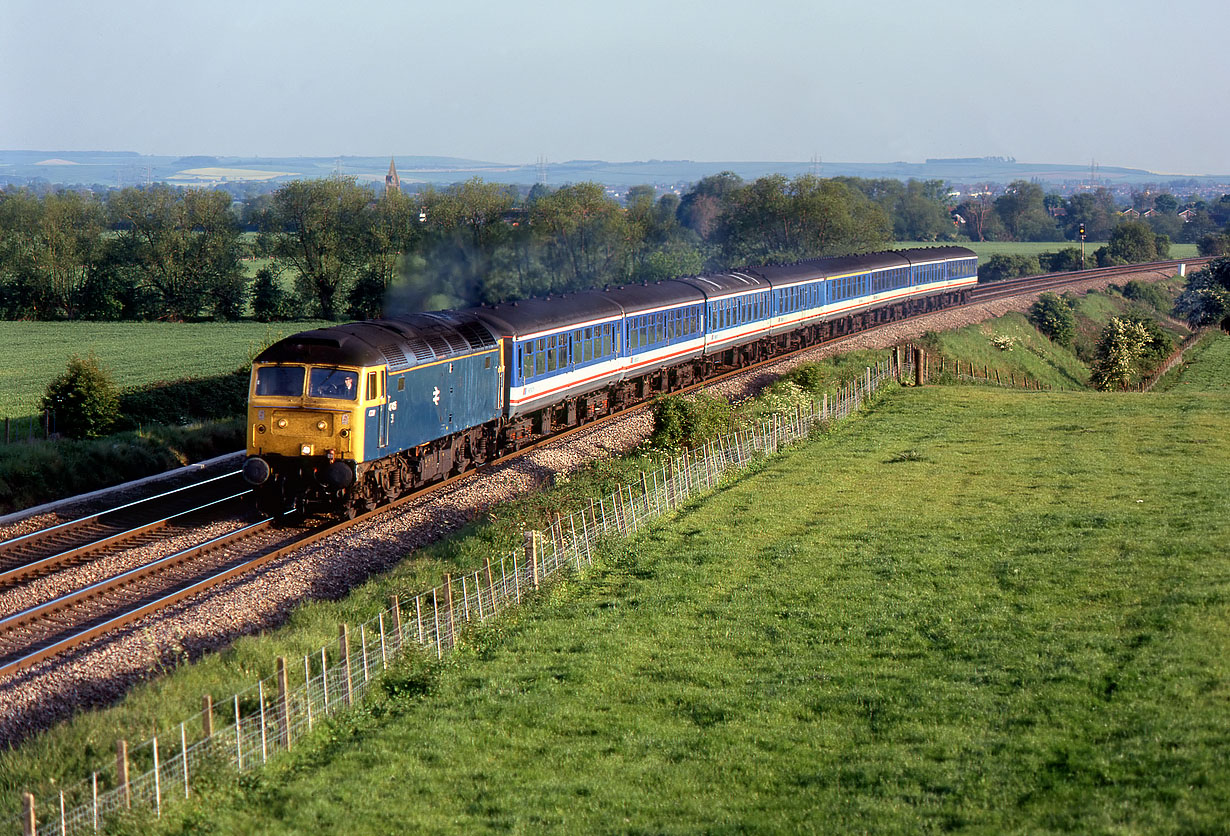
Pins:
x,y
269,301
1205,299
774,219
1053,317
1131,242
186,247
701,209
920,213
391,229
1166,203
977,213
584,235
669,261
465,226
1093,210
1214,245
84,399
1122,344
317,227
1022,211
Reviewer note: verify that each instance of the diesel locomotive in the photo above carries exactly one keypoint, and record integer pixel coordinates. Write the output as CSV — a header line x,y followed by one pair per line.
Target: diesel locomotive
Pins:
x,y
345,418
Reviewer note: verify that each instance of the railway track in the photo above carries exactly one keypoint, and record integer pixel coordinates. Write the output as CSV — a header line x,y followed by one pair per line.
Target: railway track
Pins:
x,y
144,521
1048,281
80,616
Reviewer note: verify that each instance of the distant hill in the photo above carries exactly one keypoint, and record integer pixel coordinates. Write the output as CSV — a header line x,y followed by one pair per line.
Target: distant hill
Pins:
x,y
127,168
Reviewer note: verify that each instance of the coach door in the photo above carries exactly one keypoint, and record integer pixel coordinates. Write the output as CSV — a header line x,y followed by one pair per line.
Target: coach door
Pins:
x,y
378,406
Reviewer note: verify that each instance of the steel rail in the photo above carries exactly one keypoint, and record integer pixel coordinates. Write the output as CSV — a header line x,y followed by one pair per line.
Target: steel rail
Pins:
x,y
80,532
50,563
1015,287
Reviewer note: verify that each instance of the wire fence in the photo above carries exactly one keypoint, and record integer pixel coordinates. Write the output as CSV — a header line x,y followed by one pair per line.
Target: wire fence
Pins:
x,y
244,730
1173,360
28,428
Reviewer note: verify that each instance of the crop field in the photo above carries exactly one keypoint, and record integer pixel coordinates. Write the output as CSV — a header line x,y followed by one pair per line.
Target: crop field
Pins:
x,y
135,352
973,609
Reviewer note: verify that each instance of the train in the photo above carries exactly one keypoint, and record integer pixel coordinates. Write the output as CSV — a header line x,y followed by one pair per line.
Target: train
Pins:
x,y
345,418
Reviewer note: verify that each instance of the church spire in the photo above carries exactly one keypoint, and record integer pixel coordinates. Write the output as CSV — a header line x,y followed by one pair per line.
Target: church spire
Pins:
x,y
391,181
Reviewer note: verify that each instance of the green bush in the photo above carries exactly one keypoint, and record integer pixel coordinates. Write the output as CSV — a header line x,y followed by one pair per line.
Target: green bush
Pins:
x,y
1148,293
680,421
1063,261
1002,267
31,474
84,399
1053,316
218,398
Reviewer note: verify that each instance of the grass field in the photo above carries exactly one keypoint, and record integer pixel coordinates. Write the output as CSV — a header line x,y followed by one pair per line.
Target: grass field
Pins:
x,y
973,610
1032,354
135,352
1205,370
986,249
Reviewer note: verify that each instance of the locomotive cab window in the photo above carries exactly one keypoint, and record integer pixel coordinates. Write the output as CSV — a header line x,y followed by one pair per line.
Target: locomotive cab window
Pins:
x,y
333,383
279,381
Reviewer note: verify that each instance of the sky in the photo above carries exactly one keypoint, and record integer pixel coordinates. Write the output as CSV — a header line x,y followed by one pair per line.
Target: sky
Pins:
x,y
1136,83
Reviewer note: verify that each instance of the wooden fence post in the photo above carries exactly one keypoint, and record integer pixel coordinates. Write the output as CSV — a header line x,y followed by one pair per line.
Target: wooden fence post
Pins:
x,y
343,647
418,616
395,605
121,772
28,822
490,583
207,716
283,704
531,553
448,600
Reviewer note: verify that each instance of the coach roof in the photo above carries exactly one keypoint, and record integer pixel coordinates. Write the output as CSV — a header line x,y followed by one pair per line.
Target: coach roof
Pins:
x,y
401,342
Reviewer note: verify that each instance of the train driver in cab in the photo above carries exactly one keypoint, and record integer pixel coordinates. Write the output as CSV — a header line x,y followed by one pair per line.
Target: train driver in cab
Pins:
x,y
333,383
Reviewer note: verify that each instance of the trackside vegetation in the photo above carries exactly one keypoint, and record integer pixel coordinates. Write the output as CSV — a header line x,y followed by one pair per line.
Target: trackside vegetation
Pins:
x,y
974,609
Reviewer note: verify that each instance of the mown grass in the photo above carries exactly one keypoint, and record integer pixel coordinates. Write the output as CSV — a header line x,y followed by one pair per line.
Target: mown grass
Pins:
x,y
136,353
1023,625
1206,368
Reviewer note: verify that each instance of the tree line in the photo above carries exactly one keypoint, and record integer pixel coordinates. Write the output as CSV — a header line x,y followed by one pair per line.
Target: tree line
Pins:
x,y
335,248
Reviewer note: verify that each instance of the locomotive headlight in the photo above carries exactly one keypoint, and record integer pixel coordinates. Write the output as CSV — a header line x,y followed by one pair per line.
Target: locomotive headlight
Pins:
x,y
282,422
260,428
306,450
344,433
320,425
